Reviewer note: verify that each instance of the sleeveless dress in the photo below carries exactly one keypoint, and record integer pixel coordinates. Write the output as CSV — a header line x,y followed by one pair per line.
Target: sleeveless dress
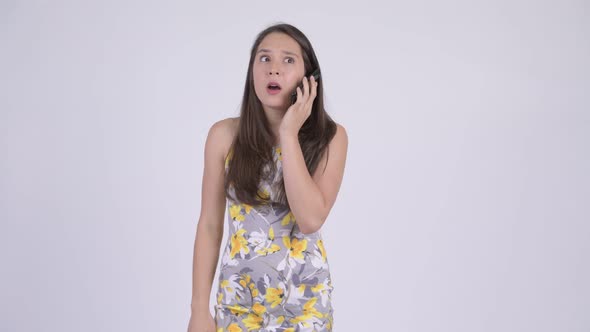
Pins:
x,y
273,278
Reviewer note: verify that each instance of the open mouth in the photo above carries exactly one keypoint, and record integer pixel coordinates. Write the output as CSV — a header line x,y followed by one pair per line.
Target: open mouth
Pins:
x,y
273,88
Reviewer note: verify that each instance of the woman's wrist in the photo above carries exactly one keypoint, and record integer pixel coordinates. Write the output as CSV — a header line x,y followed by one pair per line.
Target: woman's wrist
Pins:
x,y
287,136
199,307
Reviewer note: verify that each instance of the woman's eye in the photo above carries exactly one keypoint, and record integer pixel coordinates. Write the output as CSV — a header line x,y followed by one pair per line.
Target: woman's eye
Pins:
x,y
288,58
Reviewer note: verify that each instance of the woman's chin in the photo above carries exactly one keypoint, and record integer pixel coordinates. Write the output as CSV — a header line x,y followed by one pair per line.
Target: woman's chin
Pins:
x,y
275,103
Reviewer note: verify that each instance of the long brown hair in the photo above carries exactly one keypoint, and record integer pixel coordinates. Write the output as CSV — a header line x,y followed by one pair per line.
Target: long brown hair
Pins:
x,y
251,148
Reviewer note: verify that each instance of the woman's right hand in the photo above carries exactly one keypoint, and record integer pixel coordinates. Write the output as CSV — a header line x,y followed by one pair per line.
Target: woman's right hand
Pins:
x,y
201,322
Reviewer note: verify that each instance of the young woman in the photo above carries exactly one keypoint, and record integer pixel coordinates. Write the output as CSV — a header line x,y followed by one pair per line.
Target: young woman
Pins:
x,y
278,167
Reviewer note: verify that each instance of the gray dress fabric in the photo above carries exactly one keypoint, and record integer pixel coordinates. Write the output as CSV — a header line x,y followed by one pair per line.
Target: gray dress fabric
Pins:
x,y
273,278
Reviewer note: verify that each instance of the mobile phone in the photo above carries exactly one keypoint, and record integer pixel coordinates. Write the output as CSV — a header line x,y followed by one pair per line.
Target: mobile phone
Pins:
x,y
316,76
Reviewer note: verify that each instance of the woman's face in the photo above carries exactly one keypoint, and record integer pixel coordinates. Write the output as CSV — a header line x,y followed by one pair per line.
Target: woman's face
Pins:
x,y
278,59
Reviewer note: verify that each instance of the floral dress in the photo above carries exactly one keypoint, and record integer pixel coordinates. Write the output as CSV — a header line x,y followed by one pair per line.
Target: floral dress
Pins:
x,y
273,278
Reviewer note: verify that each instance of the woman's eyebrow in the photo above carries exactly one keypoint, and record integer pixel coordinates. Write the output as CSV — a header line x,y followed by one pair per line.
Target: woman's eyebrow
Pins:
x,y
286,52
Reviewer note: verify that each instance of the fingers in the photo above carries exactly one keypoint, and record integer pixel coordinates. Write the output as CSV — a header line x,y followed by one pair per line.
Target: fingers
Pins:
x,y
314,86
306,96
309,89
303,97
310,92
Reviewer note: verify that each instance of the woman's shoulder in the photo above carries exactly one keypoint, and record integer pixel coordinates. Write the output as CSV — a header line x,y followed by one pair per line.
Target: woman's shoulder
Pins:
x,y
340,136
227,127
222,134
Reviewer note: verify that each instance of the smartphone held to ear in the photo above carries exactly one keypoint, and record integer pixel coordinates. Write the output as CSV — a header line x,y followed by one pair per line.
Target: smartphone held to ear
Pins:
x,y
316,76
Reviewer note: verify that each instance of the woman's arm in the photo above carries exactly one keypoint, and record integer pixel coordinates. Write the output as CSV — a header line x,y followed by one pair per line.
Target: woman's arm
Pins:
x,y
312,197
210,227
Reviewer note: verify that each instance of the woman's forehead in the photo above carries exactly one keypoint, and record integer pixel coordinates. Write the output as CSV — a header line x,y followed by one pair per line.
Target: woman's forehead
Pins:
x,y
279,42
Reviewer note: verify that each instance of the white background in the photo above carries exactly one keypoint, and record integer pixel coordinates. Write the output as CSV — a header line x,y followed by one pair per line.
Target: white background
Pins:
x,y
465,204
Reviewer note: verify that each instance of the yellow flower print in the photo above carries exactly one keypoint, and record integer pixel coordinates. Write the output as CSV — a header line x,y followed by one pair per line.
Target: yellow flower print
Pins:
x,y
296,249
225,285
220,297
229,288
263,195
301,288
239,244
253,289
234,327
309,309
274,323
318,256
253,322
237,309
308,312
246,281
259,309
287,219
228,157
271,250
320,244
330,322
263,243
317,288
235,211
247,207
274,296
279,152
296,246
